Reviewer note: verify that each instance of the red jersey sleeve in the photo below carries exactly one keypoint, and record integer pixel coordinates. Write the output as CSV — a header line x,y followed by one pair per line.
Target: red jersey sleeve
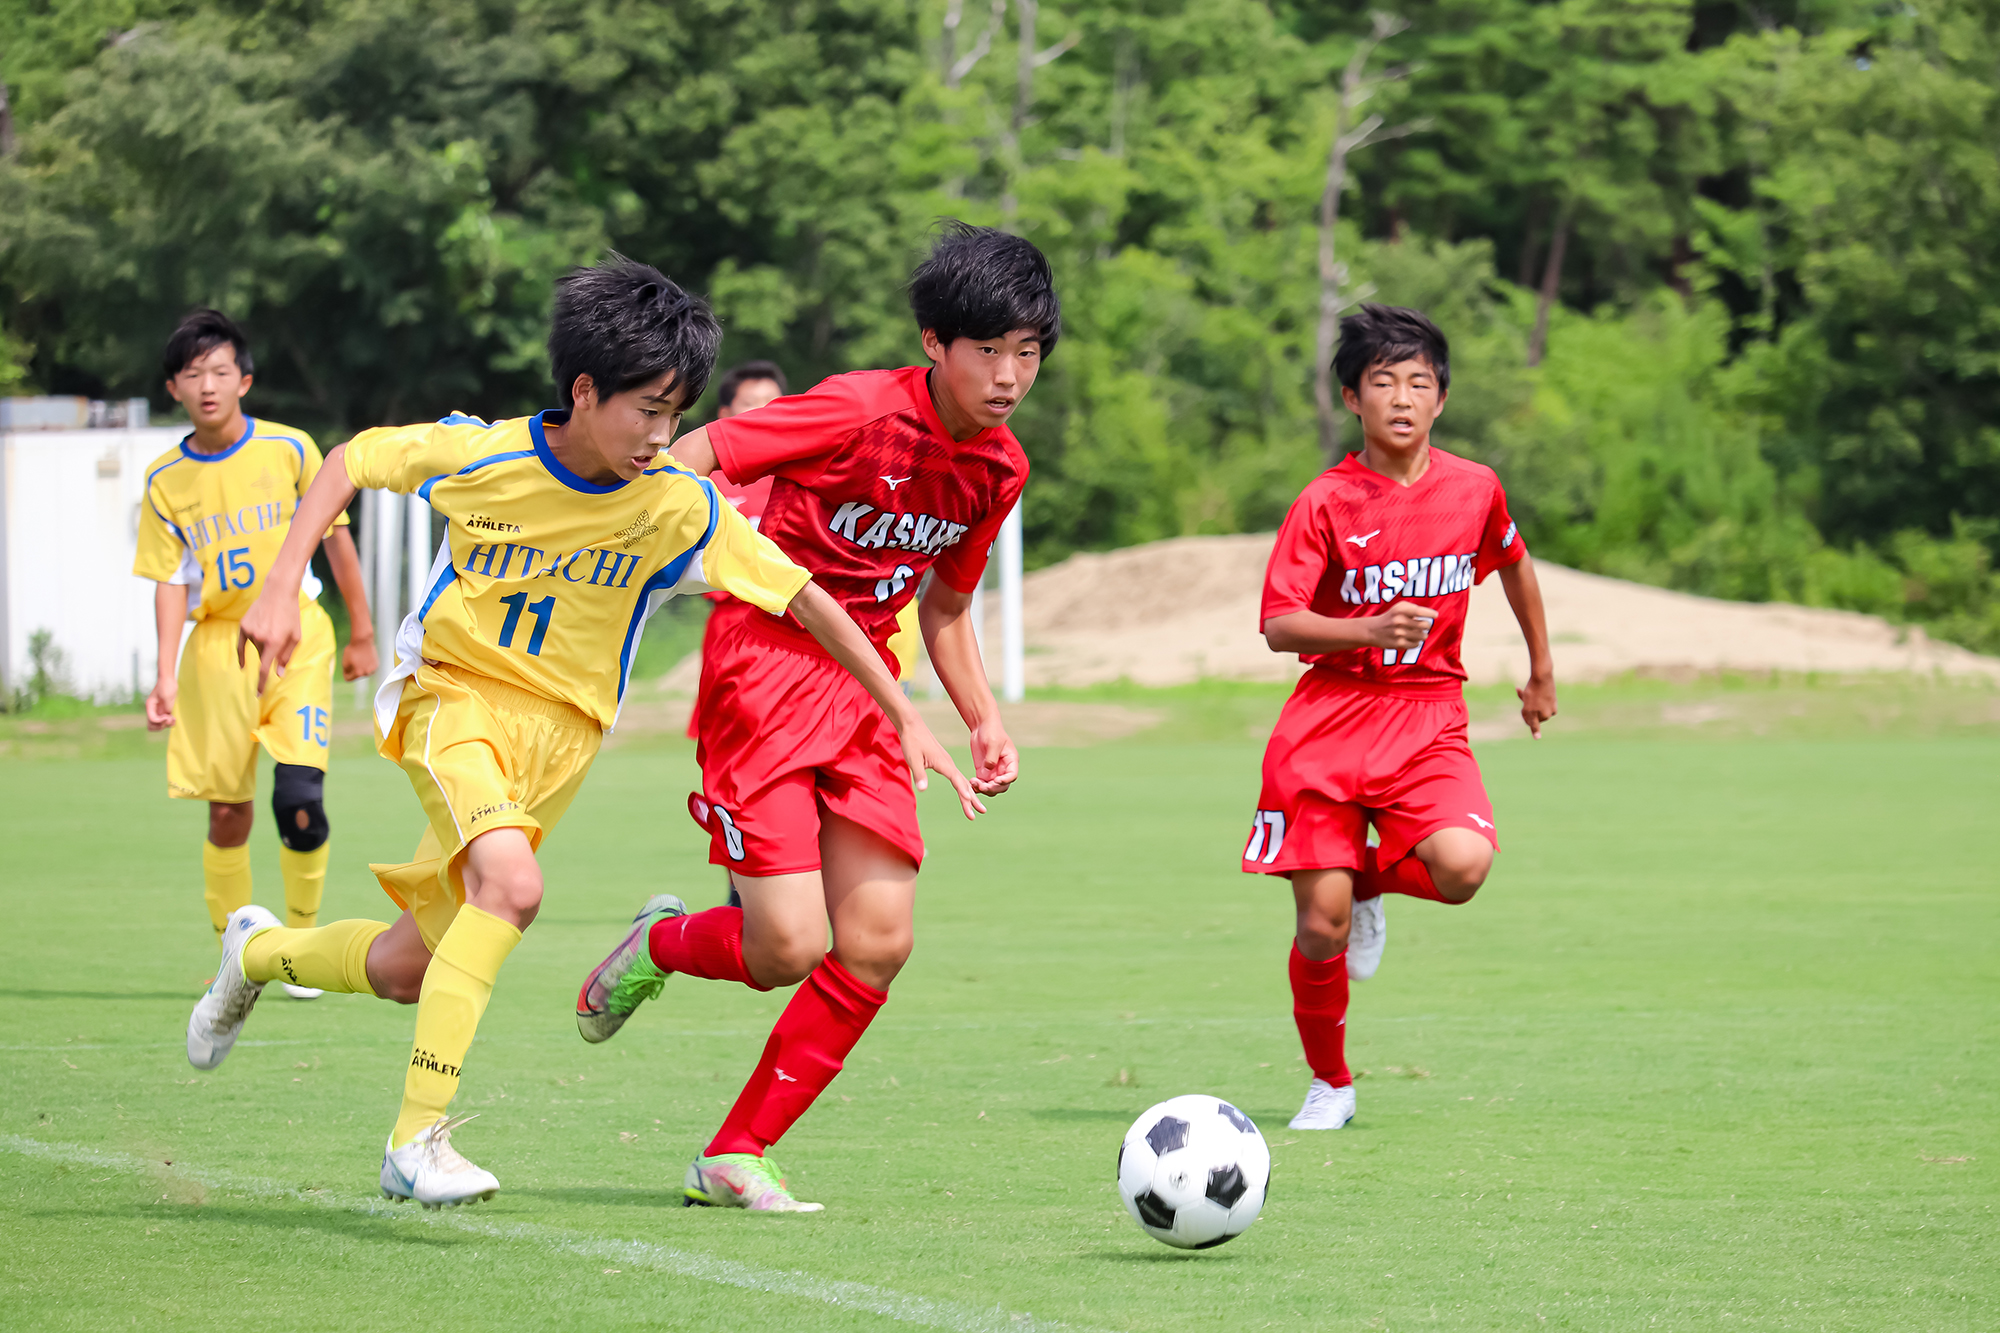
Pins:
x,y
1500,543
962,566
1298,560
789,430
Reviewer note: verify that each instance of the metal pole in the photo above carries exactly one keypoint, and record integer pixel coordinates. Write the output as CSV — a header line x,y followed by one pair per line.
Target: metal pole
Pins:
x,y
1013,667
417,551
386,511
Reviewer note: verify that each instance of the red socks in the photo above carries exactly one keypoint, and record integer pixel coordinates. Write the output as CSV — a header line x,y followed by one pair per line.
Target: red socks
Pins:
x,y
708,944
1408,876
1319,1007
827,1015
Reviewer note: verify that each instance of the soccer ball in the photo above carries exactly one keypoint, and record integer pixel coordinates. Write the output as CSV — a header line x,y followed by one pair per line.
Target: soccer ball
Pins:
x,y
1193,1172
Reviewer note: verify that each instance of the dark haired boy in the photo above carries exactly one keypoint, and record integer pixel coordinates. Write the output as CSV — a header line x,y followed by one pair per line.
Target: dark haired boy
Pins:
x,y
1369,583
218,505
880,477
564,531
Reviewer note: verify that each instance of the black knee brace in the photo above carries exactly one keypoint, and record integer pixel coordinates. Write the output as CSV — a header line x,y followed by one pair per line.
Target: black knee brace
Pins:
x,y
295,801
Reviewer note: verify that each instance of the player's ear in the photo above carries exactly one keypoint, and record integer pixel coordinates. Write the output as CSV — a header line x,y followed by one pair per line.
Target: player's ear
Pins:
x,y
244,387
933,347
1352,399
583,393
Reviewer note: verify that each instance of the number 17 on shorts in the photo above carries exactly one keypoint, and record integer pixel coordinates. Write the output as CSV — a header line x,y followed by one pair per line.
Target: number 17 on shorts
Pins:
x,y
1267,837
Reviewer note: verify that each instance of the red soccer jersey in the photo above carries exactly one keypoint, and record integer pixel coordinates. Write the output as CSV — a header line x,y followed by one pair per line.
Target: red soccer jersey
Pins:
x,y
1356,542
749,501
869,490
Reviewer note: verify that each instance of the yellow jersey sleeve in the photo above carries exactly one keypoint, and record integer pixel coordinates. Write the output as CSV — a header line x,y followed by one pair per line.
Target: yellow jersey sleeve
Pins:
x,y
406,458
163,552
747,565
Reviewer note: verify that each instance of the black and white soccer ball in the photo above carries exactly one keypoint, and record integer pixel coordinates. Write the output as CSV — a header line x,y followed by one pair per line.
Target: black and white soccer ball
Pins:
x,y
1193,1172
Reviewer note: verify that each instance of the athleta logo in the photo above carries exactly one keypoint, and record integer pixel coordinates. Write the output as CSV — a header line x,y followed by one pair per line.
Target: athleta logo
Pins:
x,y
1267,835
495,808
423,1059
1363,541
485,524
904,532
894,482
1426,576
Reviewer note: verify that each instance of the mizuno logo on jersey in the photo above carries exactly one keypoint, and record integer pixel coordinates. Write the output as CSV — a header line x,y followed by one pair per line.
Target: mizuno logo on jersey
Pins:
x,y
1426,576
606,569
894,482
1363,541
902,532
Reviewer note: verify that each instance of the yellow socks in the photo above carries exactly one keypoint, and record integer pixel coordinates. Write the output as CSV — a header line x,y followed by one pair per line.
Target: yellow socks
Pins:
x,y
225,873
333,957
456,988
305,883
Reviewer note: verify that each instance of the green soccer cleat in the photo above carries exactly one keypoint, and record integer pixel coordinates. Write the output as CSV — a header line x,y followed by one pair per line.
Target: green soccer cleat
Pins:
x,y
628,978
741,1180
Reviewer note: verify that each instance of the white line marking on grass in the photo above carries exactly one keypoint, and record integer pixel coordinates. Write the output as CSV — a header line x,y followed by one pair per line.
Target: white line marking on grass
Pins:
x,y
890,1304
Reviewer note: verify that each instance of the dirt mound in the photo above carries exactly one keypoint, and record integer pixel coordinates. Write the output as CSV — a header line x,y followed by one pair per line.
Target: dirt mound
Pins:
x,y
1175,611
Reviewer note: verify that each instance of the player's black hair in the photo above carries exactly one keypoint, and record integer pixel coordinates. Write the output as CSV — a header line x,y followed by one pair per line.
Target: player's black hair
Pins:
x,y
1379,335
623,323
200,332
980,282
737,376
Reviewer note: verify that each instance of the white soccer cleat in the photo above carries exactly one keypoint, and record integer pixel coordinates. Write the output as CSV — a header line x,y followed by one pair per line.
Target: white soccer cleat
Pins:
x,y
1327,1107
218,1015
1367,932
302,992
431,1171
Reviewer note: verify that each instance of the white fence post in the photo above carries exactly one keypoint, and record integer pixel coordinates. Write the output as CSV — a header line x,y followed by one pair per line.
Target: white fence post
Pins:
x,y
1013,666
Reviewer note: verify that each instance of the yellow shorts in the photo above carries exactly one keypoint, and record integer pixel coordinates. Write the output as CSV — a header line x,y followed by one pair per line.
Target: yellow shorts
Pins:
x,y
482,755
220,720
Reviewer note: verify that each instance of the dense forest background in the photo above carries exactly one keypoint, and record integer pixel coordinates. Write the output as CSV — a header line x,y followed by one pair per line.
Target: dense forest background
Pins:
x,y
1722,277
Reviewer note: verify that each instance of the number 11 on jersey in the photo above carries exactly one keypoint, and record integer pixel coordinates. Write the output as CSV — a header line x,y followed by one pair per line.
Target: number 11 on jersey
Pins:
x,y
543,611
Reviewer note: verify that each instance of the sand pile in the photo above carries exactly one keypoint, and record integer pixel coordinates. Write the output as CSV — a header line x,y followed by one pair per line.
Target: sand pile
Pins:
x,y
1174,611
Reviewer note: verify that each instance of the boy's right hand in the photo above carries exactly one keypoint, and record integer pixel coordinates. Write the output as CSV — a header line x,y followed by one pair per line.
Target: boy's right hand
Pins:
x,y
1404,625
274,631
160,704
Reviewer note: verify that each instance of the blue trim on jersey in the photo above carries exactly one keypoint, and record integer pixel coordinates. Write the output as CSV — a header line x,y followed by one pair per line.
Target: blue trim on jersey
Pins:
x,y
175,527
249,429
554,464
666,578
445,580
298,447
464,419
424,491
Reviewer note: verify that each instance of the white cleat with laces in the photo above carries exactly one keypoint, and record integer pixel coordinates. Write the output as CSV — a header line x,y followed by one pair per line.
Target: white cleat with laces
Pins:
x,y
218,1015
1327,1107
431,1171
1367,932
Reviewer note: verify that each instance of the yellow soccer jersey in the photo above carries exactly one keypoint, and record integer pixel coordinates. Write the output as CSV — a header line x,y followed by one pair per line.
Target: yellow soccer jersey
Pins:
x,y
545,579
215,521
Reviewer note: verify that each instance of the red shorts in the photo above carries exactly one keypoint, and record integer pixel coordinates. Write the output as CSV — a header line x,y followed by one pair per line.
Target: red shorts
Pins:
x,y
785,734
1343,758
725,613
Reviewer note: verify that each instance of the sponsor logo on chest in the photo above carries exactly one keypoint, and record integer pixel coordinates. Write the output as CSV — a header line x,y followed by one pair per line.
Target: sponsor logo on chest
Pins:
x,y
1426,576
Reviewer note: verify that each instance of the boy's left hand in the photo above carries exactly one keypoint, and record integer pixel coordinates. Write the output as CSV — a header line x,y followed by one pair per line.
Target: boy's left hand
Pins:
x,y
1538,702
358,660
996,764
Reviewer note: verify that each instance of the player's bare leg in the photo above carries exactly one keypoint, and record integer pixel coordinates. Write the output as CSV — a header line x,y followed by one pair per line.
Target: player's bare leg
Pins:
x,y
1459,861
397,961
866,891
1324,901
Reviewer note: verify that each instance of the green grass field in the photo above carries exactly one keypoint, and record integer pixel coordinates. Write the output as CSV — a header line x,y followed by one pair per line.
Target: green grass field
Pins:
x,y
1715,1048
